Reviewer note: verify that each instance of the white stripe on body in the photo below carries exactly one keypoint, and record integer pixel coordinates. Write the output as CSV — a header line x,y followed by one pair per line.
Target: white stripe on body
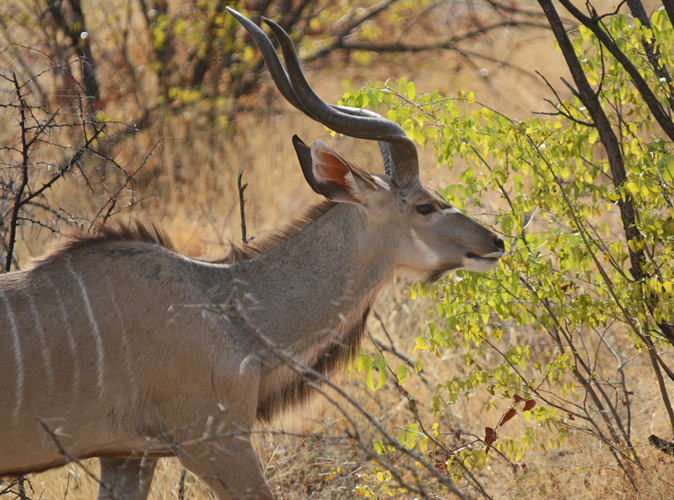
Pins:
x,y
17,356
69,333
125,341
92,320
43,341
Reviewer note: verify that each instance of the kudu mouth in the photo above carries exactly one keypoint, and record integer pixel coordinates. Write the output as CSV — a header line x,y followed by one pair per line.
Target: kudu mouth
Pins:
x,y
485,262
499,244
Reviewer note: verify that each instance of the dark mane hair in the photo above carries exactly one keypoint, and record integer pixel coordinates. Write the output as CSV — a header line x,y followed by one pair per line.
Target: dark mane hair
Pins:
x,y
302,386
240,252
117,231
150,232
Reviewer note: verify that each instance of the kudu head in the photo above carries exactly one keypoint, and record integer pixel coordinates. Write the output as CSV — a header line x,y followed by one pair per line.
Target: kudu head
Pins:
x,y
421,231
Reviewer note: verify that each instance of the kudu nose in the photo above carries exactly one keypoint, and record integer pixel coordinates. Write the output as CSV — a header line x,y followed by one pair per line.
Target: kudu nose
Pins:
x,y
500,244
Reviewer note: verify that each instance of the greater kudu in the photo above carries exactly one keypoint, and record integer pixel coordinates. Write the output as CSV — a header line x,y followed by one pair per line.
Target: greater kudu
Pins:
x,y
122,349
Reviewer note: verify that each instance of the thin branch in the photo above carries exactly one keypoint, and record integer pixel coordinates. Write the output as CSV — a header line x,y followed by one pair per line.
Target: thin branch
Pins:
x,y
449,43
242,203
347,28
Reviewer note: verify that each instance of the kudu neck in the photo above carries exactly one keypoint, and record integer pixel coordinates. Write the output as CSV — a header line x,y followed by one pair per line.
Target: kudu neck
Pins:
x,y
312,281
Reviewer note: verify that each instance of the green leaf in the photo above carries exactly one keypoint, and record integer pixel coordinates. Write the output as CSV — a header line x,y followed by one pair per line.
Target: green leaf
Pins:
x,y
402,372
411,91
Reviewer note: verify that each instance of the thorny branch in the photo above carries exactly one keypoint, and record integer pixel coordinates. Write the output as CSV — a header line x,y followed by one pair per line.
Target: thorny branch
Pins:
x,y
29,168
24,175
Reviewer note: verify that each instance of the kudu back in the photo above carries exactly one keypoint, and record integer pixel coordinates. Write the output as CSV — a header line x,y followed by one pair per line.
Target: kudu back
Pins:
x,y
115,346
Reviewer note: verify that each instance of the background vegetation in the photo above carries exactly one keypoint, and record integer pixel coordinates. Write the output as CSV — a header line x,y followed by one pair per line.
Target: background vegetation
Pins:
x,y
544,378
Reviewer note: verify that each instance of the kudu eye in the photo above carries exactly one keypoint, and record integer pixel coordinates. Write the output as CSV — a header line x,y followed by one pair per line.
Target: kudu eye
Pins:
x,y
425,209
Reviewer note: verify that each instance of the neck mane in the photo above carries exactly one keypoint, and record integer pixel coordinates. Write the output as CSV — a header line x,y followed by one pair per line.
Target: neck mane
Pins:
x,y
240,252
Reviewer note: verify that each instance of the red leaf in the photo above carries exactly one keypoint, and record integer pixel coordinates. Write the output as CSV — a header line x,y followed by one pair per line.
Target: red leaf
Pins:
x,y
517,398
508,415
489,437
529,404
571,417
457,436
440,463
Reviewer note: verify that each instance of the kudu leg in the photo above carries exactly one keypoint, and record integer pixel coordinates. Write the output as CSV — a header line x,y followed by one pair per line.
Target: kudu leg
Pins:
x,y
125,479
230,467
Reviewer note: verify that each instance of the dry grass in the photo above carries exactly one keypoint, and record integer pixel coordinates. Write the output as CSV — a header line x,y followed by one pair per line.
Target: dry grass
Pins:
x,y
191,181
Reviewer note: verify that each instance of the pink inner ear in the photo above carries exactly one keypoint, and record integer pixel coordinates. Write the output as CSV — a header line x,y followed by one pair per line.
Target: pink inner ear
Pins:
x,y
332,169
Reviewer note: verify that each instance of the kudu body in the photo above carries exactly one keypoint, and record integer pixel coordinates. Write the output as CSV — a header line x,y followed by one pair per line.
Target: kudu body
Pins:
x,y
114,346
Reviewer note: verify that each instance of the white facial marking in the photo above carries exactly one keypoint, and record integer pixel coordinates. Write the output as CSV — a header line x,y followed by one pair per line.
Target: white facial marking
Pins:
x,y
451,210
17,355
69,333
495,255
92,320
43,341
429,255
480,264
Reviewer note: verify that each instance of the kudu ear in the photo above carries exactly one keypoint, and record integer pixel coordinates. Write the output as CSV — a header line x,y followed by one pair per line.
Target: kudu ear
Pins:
x,y
304,155
330,175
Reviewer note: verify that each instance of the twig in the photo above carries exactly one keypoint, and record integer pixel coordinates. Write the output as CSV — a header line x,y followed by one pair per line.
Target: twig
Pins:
x,y
70,458
413,408
392,349
593,23
242,203
181,485
22,488
661,444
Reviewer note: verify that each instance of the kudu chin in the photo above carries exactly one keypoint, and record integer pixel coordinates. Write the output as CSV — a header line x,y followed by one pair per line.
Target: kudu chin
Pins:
x,y
115,346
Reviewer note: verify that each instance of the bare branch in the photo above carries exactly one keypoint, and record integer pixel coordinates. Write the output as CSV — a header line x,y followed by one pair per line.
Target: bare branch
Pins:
x,y
242,203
